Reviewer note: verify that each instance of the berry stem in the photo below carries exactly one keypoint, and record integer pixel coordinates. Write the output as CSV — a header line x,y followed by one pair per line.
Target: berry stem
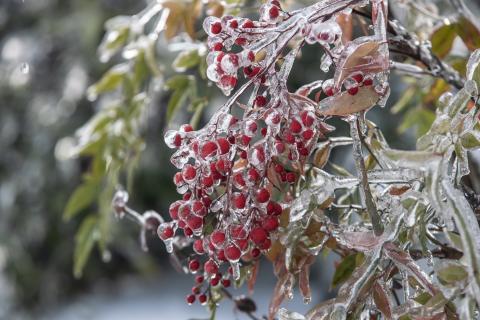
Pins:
x,y
366,197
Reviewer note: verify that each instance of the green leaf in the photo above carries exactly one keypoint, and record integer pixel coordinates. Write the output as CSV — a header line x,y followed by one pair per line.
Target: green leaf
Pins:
x,y
442,40
85,239
470,139
451,273
110,81
420,118
198,105
81,198
344,270
112,42
468,32
183,87
186,60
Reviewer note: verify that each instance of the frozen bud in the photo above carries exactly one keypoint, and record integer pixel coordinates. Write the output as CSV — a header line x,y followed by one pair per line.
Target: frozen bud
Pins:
x,y
119,202
239,200
212,73
250,127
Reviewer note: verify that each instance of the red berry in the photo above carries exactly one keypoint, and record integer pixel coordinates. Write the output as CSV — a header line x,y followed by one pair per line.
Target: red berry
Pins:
x,y
194,265
221,255
217,46
243,154
190,299
177,140
307,119
208,149
280,147
226,283
248,24
188,232
217,238
245,140
238,232
189,172
260,101
202,298
186,128
198,208
263,195
194,222
255,252
232,253
258,235
242,244
210,267
368,82
214,281
241,41
329,91
289,138
307,134
216,28
238,178
352,91
279,168
207,181
239,200
295,126
270,223
173,209
263,131
165,233
358,77
324,36
251,56
291,177
253,175
274,12
198,246
251,71
199,279
304,152
233,24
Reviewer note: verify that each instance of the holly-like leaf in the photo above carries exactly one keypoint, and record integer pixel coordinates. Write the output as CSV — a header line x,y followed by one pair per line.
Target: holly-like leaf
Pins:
x,y
186,60
452,272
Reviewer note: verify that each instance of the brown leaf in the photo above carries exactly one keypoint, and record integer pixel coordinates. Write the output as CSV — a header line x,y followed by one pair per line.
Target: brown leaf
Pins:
x,y
382,302
344,20
344,104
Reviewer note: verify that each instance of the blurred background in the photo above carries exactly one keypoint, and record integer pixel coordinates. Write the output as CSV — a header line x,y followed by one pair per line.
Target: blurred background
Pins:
x,y
48,57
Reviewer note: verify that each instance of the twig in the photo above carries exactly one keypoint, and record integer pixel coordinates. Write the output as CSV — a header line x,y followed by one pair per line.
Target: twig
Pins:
x,y
406,43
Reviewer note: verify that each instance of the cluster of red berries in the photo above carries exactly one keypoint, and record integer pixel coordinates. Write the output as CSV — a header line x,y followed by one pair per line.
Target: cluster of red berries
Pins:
x,y
230,169
200,289
229,43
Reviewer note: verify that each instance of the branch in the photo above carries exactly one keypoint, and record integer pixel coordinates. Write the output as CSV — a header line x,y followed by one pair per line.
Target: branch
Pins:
x,y
407,44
